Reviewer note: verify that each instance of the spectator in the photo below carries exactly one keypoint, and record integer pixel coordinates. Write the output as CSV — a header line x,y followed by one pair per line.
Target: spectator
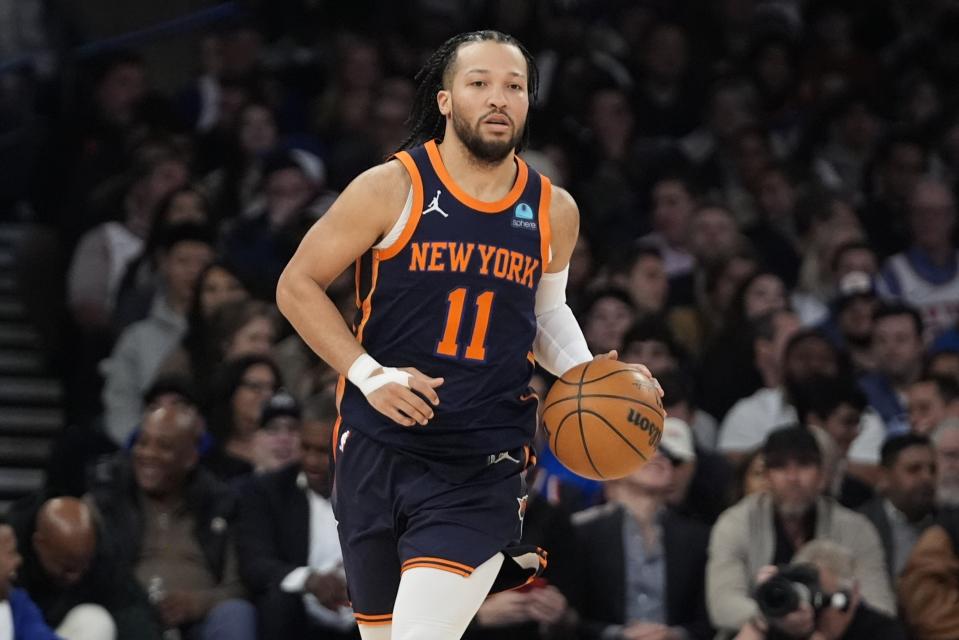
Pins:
x,y
640,272
289,551
931,401
674,201
713,234
606,317
849,326
749,477
216,286
277,443
747,423
22,617
644,563
169,521
929,585
774,234
768,528
944,362
945,440
897,350
141,349
836,406
906,504
699,477
666,92
71,575
836,569
240,389
926,276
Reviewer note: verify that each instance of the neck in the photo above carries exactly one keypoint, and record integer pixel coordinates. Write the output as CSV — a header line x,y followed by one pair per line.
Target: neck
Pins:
x,y
482,180
770,376
641,505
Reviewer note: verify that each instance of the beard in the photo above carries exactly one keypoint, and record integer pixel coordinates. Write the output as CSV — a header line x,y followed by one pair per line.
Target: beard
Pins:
x,y
485,151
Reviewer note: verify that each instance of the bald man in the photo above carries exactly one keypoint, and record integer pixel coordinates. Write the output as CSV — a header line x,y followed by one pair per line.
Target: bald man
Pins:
x,y
78,587
169,521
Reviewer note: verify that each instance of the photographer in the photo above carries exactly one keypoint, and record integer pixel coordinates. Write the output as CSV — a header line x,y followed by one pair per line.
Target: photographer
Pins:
x,y
816,597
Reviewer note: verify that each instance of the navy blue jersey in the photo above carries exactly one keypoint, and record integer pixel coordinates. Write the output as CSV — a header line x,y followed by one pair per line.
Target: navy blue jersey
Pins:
x,y
454,297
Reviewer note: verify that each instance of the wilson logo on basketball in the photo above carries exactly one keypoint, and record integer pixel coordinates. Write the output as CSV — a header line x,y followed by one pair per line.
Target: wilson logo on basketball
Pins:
x,y
643,423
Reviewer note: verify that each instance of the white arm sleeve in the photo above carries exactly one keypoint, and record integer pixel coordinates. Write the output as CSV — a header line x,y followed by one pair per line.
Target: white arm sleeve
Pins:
x,y
559,344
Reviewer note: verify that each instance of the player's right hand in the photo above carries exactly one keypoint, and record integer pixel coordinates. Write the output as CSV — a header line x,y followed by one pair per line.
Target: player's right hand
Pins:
x,y
401,404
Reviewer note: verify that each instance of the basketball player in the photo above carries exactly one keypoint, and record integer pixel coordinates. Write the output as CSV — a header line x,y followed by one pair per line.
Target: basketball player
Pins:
x,y
462,255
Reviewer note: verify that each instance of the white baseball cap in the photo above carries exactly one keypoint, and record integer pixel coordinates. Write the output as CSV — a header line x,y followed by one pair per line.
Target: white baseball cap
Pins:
x,y
677,441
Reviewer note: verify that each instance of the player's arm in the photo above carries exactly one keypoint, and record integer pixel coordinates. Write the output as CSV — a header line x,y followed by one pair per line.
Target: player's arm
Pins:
x,y
560,344
363,213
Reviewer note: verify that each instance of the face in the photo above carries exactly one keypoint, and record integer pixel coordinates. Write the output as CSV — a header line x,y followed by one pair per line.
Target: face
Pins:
x,y
255,388
713,234
859,127
737,271
182,266
777,197
165,452
611,117
903,169
682,476
672,211
253,338
217,288
287,192
166,177
186,206
281,438
947,467
932,215
486,99
897,347
120,91
656,476
10,560
859,259
945,364
794,487
652,353
843,425
665,58
766,293
65,563
926,407
316,445
607,323
855,319
257,130
910,482
648,284
752,157
811,356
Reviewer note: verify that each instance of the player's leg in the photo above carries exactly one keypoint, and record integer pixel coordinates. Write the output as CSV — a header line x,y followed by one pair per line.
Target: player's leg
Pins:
x,y
416,615
380,632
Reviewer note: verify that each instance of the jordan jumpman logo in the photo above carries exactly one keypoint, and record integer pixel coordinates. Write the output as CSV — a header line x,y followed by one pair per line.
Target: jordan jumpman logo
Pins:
x,y
435,205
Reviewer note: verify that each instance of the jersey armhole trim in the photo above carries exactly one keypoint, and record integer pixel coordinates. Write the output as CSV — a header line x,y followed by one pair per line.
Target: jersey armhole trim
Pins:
x,y
415,209
390,238
545,230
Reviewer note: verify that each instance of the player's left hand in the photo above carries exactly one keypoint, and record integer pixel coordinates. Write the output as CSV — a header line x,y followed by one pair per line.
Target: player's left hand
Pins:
x,y
643,369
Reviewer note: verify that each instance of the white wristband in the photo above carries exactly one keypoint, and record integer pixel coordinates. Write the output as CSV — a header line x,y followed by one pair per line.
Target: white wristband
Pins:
x,y
361,374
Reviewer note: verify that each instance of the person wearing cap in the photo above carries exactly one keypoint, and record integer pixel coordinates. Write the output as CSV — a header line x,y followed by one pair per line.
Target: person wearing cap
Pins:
x,y
767,528
277,442
643,563
849,326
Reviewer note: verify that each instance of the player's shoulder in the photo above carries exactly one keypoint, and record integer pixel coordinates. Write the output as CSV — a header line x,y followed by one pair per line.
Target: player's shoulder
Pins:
x,y
388,180
563,208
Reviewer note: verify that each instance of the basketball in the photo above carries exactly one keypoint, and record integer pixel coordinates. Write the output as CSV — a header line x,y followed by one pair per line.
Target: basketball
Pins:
x,y
603,419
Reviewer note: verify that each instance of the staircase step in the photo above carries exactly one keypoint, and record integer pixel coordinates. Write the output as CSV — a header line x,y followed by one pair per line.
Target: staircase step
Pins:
x,y
18,334
19,482
30,390
21,362
33,421
20,452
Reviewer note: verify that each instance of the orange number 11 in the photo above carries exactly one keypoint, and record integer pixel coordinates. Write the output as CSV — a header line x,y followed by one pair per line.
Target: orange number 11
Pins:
x,y
476,349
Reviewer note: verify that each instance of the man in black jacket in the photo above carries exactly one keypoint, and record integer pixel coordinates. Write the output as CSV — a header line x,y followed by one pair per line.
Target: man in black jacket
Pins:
x,y
644,565
72,576
169,521
289,550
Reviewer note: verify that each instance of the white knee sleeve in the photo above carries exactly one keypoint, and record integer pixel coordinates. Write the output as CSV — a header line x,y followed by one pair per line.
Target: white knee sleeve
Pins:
x,y
87,622
381,632
437,605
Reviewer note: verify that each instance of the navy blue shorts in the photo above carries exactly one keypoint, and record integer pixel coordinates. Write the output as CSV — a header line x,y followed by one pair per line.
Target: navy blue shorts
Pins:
x,y
396,512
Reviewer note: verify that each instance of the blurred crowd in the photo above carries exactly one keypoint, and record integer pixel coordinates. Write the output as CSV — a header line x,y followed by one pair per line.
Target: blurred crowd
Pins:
x,y
768,222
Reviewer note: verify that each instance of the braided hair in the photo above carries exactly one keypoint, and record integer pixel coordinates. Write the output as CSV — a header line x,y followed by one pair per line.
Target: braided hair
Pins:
x,y
425,121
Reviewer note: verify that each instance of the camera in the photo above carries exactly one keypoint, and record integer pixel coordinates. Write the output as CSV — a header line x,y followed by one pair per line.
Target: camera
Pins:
x,y
793,585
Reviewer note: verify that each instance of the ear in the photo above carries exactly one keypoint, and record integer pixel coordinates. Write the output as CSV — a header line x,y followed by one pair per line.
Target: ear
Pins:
x,y
444,100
